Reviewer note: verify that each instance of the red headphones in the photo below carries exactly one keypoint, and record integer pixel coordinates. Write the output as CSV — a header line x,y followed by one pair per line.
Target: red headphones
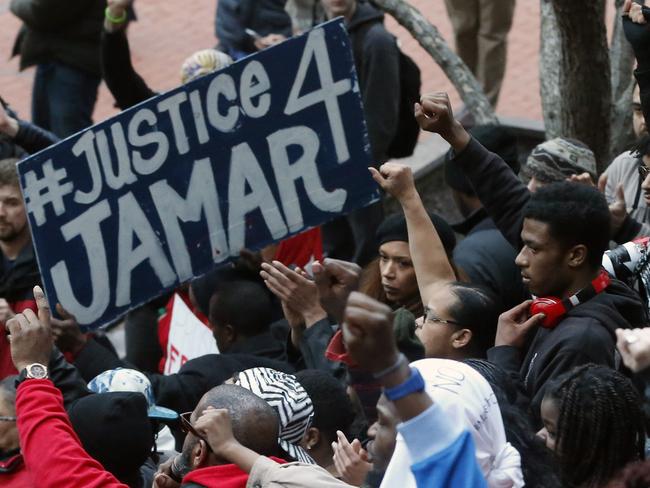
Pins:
x,y
556,308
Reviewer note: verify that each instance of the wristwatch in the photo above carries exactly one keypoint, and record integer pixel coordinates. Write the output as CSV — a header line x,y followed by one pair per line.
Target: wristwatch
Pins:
x,y
34,371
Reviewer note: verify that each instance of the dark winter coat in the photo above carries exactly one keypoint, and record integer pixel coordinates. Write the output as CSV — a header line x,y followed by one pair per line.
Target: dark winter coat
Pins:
x,y
63,31
586,333
377,62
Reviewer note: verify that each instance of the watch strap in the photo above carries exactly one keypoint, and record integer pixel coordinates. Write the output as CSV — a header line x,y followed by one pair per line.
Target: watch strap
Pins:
x,y
414,384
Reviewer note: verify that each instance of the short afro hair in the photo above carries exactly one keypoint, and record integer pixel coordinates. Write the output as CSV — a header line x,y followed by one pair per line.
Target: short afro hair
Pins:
x,y
576,214
244,305
333,409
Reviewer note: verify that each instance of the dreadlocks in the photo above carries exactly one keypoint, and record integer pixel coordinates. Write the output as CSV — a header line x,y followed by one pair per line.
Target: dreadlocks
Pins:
x,y
600,427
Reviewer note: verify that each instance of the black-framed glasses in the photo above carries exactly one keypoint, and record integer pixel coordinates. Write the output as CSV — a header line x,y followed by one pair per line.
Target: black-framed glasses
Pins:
x,y
187,427
4,418
430,317
643,170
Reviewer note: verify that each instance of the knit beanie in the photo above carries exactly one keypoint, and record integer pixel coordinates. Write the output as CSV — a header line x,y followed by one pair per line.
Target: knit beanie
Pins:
x,y
202,63
559,158
393,228
114,429
495,138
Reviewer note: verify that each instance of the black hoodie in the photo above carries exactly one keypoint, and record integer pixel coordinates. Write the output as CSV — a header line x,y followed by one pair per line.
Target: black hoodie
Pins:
x,y
377,61
586,333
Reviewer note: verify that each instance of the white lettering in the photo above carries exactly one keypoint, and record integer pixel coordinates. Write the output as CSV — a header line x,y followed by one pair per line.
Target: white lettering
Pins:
x,y
132,222
201,198
245,170
141,165
172,104
224,85
255,83
328,93
124,175
85,146
86,226
286,174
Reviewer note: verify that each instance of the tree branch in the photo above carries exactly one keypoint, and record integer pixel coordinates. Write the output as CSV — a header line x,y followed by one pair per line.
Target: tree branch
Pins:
x,y
429,38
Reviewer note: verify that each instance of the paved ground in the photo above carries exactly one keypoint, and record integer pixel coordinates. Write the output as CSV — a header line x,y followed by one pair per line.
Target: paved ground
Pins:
x,y
169,31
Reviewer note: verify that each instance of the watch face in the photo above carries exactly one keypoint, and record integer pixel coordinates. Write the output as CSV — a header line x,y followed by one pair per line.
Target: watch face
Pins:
x,y
37,371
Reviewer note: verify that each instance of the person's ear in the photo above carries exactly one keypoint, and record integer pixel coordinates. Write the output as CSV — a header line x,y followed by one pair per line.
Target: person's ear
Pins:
x,y
461,338
311,438
577,256
200,454
230,333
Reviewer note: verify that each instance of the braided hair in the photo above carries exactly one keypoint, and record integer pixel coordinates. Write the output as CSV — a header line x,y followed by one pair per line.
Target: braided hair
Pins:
x,y
600,427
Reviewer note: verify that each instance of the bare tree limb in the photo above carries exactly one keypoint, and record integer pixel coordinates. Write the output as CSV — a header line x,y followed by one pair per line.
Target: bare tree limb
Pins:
x,y
549,69
585,78
622,61
430,39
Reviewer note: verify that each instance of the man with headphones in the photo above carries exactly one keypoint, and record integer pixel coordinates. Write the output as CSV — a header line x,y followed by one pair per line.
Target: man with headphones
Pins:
x,y
561,232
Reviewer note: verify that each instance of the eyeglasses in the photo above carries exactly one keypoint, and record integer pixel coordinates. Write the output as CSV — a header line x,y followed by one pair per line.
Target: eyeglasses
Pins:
x,y
429,317
187,427
644,171
8,419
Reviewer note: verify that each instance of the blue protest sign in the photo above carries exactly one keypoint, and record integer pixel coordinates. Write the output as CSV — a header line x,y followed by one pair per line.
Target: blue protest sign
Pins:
x,y
167,190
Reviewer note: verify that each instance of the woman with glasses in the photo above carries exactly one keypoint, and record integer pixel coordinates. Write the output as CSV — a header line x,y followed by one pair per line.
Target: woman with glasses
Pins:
x,y
459,319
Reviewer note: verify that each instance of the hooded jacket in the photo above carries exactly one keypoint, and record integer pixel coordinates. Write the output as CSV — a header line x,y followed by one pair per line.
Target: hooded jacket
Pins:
x,y
586,333
376,57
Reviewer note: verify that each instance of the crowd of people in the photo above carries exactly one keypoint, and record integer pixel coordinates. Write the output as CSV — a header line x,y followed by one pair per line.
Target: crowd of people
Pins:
x,y
509,349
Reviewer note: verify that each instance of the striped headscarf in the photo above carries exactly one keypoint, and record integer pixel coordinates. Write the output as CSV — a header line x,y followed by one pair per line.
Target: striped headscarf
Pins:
x,y
559,158
290,401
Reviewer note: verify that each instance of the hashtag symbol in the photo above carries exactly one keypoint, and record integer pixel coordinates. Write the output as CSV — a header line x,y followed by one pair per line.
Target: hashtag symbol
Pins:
x,y
45,191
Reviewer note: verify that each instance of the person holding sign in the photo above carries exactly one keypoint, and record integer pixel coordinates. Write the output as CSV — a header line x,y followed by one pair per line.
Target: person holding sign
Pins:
x,y
377,60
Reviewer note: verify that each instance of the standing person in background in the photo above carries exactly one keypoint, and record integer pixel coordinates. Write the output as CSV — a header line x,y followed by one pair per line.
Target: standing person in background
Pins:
x,y
377,59
481,30
246,26
62,41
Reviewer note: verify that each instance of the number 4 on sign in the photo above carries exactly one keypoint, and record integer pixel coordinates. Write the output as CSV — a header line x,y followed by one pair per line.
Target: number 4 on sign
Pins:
x,y
328,92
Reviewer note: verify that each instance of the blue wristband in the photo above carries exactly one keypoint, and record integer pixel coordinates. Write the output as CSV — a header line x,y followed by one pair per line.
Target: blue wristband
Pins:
x,y
414,384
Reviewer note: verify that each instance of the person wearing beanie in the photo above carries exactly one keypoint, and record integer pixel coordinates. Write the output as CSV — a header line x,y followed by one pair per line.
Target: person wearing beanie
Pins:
x,y
556,160
114,428
459,319
484,255
391,277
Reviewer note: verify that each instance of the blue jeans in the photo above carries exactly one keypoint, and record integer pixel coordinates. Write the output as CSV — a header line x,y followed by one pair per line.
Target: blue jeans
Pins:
x,y
63,98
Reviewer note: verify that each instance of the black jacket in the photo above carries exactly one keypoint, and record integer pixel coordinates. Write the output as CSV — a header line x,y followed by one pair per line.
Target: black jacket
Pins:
x,y
124,83
586,334
64,31
376,56
183,390
263,16
489,260
17,281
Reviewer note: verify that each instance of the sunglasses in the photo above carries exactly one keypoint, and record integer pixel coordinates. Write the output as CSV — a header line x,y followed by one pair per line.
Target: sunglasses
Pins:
x,y
188,428
8,419
644,171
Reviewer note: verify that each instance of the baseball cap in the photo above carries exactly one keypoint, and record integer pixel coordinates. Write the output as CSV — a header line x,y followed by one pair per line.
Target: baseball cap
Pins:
x,y
123,379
